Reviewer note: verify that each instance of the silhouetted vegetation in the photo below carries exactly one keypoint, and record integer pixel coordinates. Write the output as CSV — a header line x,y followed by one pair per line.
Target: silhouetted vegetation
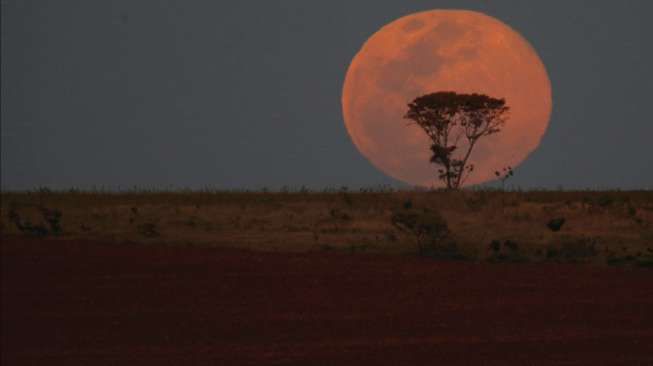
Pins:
x,y
504,175
53,218
50,216
572,249
556,224
502,226
429,229
505,251
455,123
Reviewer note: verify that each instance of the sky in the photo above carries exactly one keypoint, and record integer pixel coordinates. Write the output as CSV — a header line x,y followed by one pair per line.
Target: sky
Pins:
x,y
247,94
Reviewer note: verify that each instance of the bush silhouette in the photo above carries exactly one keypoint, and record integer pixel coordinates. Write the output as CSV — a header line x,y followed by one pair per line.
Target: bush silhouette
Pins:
x,y
430,230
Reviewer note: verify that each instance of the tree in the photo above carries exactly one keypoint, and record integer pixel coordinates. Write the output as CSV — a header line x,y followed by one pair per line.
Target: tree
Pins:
x,y
454,123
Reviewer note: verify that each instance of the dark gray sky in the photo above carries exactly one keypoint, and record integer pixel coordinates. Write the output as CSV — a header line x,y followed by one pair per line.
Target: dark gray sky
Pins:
x,y
247,94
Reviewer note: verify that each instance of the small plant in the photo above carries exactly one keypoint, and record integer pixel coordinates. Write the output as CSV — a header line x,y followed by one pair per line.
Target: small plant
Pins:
x,y
26,226
556,224
503,176
430,230
508,251
572,249
53,218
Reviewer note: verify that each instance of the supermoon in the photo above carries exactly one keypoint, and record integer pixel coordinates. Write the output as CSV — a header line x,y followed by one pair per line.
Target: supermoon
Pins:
x,y
443,50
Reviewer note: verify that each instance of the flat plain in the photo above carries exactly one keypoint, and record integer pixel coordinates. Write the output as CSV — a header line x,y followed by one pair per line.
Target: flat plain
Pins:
x,y
325,278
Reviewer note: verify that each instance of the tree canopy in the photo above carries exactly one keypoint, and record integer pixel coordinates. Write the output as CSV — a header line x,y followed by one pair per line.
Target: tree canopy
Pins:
x,y
454,123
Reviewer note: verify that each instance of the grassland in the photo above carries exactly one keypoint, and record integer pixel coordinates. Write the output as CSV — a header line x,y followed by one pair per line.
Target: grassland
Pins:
x,y
599,227
152,278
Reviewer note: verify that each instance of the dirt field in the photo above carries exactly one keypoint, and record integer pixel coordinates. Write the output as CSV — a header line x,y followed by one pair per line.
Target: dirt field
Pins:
x,y
74,302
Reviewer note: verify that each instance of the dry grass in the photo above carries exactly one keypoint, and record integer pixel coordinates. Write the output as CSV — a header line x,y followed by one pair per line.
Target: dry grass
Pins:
x,y
618,225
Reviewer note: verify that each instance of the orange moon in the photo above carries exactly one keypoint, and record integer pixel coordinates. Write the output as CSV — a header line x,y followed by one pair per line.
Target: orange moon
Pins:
x,y
443,50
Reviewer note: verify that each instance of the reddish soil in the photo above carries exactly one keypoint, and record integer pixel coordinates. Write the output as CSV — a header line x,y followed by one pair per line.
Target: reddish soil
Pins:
x,y
85,303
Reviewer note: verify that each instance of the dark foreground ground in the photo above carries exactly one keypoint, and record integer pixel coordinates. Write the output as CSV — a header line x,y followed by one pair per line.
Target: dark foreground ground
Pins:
x,y
86,303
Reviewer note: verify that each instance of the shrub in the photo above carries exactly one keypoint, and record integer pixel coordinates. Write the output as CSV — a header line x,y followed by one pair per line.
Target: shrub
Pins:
x,y
26,227
572,249
556,224
430,230
53,218
508,251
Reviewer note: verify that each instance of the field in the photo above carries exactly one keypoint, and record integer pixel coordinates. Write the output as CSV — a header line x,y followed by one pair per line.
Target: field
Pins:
x,y
327,278
599,227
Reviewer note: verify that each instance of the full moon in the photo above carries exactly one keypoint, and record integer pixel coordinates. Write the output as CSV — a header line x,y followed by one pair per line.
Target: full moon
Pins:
x,y
443,50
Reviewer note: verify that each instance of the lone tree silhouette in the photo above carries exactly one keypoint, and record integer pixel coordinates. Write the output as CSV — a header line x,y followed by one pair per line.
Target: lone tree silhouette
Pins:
x,y
454,123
